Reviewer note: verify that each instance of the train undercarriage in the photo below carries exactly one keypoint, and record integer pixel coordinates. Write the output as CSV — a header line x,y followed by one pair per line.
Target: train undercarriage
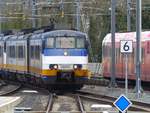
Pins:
x,y
63,80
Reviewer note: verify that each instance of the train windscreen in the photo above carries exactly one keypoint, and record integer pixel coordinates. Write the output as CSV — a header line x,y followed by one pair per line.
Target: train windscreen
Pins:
x,y
64,42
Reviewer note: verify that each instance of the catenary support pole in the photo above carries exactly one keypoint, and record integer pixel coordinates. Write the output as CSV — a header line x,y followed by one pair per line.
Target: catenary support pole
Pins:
x,y
0,17
138,47
34,10
128,15
78,15
113,29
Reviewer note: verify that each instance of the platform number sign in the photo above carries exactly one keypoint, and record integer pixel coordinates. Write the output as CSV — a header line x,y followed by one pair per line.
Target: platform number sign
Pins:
x,y
126,46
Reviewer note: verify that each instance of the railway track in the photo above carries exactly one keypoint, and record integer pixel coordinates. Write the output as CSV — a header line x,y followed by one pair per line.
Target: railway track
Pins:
x,y
9,88
73,103
50,103
79,103
79,98
82,96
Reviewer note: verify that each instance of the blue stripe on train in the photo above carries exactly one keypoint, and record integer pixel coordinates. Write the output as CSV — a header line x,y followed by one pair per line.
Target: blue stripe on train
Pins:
x,y
60,52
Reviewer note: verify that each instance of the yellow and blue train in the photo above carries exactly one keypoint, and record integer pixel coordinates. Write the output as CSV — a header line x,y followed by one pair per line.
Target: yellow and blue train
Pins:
x,y
45,58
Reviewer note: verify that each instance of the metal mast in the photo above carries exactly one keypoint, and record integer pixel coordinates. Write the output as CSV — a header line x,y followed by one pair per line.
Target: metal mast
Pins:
x,y
78,15
34,10
128,15
0,22
113,29
138,47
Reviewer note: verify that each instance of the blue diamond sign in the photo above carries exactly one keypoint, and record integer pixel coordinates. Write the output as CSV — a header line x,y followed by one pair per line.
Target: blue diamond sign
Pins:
x,y
122,103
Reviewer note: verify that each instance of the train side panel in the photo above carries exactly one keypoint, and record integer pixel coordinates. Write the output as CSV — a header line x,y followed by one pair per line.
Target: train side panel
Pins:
x,y
16,59
120,58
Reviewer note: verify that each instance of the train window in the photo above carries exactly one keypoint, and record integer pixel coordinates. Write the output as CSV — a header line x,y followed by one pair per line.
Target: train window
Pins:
x,y
32,52
50,43
37,52
65,42
20,52
80,43
12,51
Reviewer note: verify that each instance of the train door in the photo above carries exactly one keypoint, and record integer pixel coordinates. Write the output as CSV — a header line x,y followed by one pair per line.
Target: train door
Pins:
x,y
35,56
11,55
21,59
31,61
38,48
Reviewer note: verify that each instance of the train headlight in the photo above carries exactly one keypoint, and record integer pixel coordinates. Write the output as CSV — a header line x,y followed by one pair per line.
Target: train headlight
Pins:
x,y
65,53
55,66
75,66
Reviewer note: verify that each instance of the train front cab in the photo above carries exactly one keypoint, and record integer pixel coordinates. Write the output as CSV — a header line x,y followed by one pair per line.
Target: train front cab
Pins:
x,y
64,63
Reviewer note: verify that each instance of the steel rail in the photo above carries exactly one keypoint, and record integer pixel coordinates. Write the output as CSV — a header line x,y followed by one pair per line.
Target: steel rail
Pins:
x,y
81,107
50,103
18,86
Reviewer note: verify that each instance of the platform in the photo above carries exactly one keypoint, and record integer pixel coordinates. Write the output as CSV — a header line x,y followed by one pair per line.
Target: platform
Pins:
x,y
7,104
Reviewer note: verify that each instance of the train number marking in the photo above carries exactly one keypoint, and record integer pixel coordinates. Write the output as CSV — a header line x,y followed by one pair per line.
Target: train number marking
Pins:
x,y
126,46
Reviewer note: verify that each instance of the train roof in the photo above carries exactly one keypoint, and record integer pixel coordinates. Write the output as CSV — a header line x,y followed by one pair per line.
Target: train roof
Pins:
x,y
3,38
127,36
57,33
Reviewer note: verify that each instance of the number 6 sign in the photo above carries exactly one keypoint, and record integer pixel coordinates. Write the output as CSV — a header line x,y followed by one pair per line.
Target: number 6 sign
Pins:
x,y
126,46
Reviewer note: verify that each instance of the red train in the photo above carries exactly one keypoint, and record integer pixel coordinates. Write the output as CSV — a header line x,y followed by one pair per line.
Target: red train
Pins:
x,y
120,58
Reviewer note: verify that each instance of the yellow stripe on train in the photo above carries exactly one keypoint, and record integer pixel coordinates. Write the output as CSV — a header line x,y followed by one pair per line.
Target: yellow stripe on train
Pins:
x,y
47,72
